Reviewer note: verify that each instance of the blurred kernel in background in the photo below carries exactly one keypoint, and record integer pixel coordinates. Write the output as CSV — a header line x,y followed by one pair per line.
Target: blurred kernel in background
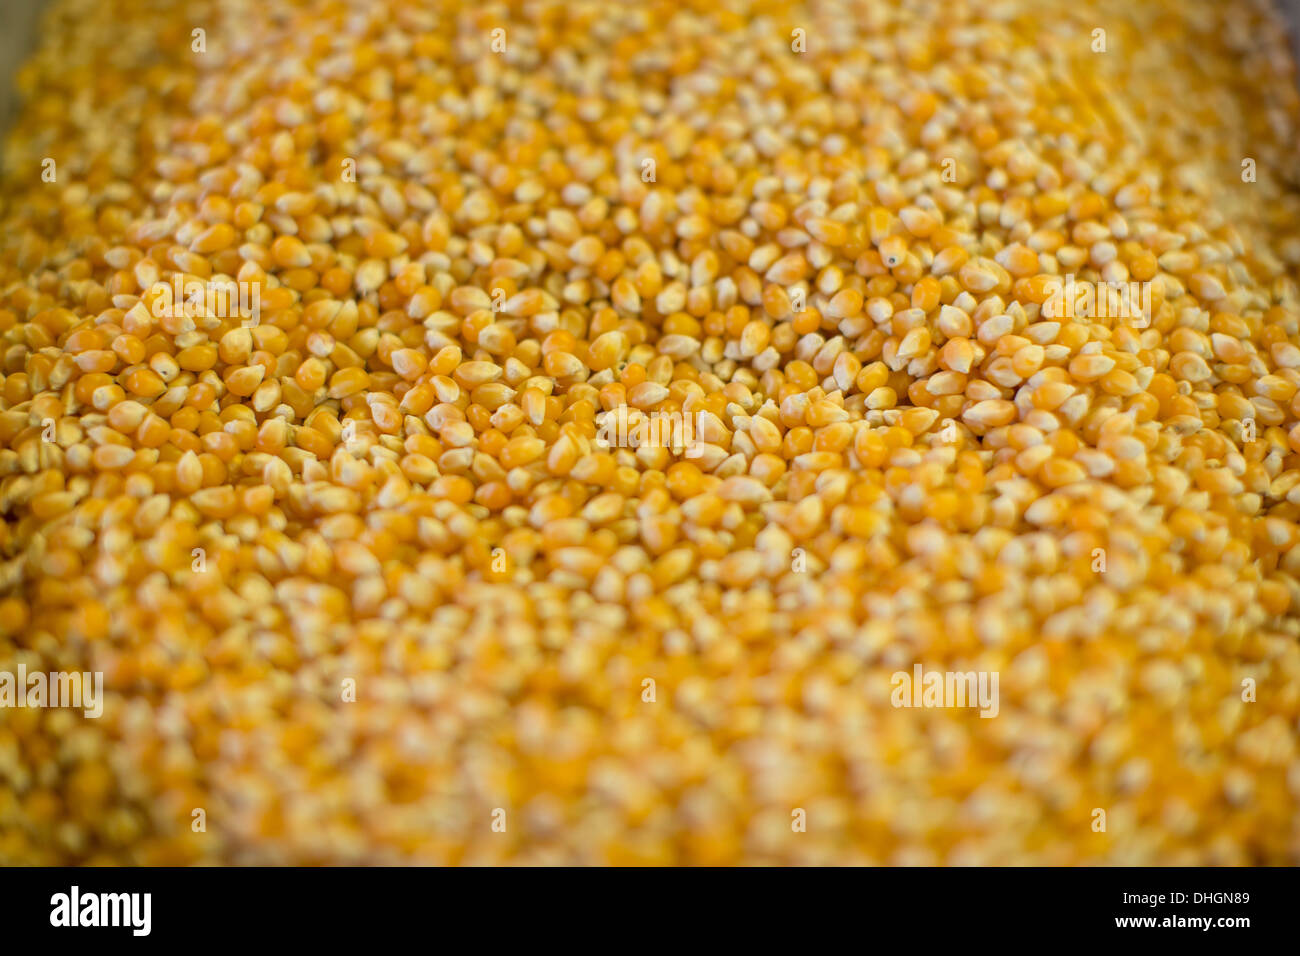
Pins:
x,y
17,35
18,22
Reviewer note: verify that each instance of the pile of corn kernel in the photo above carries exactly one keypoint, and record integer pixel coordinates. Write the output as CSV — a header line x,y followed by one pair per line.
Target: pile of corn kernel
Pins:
x,y
365,587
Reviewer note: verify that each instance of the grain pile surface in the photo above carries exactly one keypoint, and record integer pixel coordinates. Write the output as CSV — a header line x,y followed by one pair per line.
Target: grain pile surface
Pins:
x,y
365,583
